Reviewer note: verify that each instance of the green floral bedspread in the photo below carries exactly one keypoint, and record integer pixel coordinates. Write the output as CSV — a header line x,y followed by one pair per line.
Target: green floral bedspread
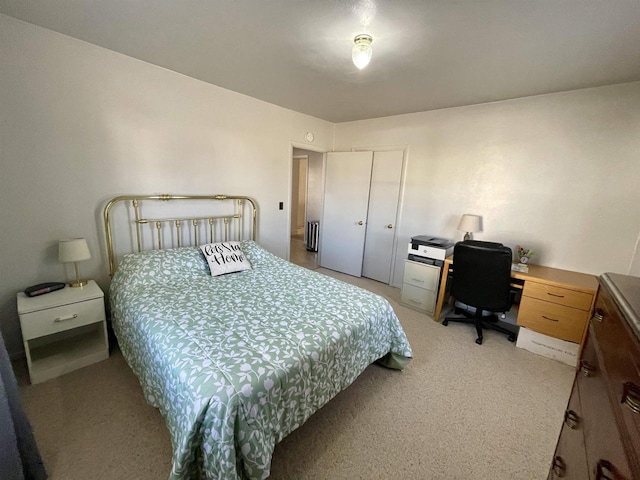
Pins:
x,y
237,362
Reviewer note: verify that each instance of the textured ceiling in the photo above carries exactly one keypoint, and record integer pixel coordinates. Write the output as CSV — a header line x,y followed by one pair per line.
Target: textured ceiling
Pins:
x,y
427,55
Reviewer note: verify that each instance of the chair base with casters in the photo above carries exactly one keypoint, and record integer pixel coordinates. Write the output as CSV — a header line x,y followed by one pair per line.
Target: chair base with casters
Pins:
x,y
481,322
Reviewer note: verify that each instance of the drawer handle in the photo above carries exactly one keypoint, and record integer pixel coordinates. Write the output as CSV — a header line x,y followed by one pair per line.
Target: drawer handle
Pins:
x,y
415,301
631,397
558,466
65,318
554,295
417,280
586,368
598,315
605,470
571,419
550,319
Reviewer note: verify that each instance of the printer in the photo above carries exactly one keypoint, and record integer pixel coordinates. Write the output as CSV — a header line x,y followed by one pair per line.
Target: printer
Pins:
x,y
430,250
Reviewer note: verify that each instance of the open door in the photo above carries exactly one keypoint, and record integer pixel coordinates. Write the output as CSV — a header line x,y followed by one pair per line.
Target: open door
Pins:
x,y
344,220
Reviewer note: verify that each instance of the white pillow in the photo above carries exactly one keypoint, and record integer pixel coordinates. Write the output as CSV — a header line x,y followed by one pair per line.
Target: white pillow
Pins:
x,y
225,257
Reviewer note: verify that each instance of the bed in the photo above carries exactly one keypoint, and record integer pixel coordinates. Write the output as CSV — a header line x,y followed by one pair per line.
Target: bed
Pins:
x,y
238,361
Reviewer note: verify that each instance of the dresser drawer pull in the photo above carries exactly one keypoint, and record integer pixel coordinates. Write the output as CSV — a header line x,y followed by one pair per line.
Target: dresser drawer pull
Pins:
x,y
550,319
65,318
571,419
605,471
631,397
417,280
558,466
554,295
598,315
586,368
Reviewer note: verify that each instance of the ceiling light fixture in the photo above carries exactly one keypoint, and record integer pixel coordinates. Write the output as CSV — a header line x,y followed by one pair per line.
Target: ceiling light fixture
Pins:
x,y
362,51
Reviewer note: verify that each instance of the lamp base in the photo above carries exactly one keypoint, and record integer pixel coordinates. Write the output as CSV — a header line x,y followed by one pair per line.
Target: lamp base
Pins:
x,y
78,283
468,236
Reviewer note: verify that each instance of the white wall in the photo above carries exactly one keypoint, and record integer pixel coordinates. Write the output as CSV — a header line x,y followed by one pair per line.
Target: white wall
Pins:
x,y
557,173
80,124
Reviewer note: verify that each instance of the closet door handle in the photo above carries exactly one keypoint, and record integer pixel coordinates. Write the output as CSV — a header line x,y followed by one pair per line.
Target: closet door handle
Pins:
x,y
360,222
390,226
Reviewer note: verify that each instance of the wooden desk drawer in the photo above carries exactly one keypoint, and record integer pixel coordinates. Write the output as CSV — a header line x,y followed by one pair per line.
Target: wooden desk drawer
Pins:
x,y
419,298
58,319
562,296
421,275
552,319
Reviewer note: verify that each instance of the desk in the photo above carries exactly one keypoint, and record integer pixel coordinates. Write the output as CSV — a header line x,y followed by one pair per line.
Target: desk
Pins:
x,y
554,302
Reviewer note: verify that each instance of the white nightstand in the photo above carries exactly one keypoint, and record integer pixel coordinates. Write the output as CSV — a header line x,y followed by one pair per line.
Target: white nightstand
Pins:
x,y
63,330
420,286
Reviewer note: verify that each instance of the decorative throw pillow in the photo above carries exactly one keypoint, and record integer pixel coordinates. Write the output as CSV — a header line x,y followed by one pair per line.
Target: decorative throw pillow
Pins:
x,y
225,257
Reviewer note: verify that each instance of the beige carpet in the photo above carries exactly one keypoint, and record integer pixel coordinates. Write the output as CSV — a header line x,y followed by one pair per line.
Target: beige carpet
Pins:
x,y
459,411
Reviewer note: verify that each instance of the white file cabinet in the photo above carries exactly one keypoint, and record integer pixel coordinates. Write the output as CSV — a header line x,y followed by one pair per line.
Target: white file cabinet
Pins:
x,y
420,286
63,330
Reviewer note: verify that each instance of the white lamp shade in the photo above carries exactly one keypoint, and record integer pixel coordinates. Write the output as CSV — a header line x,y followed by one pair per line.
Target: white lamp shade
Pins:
x,y
73,250
469,223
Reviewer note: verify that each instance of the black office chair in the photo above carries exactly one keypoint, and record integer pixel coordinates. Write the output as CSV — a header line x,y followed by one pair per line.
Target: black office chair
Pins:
x,y
482,279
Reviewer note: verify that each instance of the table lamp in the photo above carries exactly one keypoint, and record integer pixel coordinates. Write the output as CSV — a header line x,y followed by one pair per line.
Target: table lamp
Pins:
x,y
469,224
74,250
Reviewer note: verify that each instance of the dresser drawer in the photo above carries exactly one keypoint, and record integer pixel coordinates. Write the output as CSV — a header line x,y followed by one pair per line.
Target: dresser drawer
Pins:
x,y
602,436
570,459
421,275
559,295
419,298
58,319
552,319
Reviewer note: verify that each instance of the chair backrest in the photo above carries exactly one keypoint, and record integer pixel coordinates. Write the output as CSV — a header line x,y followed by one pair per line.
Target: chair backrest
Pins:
x,y
482,275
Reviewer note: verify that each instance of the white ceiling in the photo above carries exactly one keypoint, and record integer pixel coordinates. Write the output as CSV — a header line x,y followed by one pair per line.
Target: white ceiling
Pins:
x,y
428,54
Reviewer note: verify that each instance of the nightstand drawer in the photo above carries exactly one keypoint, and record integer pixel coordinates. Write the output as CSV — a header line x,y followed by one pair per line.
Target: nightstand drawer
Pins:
x,y
552,319
421,275
419,298
559,295
58,319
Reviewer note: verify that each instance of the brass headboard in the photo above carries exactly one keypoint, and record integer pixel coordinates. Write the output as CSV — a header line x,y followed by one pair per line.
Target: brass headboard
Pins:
x,y
237,222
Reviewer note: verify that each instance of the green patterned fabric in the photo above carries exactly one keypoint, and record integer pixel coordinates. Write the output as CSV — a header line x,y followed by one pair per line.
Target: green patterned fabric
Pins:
x,y
237,362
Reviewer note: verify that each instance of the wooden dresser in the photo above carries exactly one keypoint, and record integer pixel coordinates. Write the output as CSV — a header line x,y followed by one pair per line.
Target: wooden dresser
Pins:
x,y
600,437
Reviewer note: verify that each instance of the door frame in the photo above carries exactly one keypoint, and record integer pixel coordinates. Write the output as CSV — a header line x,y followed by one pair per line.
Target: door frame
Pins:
x,y
306,189
403,178
311,148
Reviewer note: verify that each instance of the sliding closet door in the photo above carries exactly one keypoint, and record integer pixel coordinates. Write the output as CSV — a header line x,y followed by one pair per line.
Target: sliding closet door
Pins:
x,y
383,210
346,198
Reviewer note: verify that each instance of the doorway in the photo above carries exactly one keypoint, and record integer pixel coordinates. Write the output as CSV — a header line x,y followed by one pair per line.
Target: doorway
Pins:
x,y
306,206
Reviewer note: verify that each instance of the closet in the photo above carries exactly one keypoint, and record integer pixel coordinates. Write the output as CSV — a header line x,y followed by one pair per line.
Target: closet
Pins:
x,y
362,191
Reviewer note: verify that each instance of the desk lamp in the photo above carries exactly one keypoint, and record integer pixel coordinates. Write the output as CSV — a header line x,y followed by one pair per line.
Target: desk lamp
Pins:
x,y
73,251
469,224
